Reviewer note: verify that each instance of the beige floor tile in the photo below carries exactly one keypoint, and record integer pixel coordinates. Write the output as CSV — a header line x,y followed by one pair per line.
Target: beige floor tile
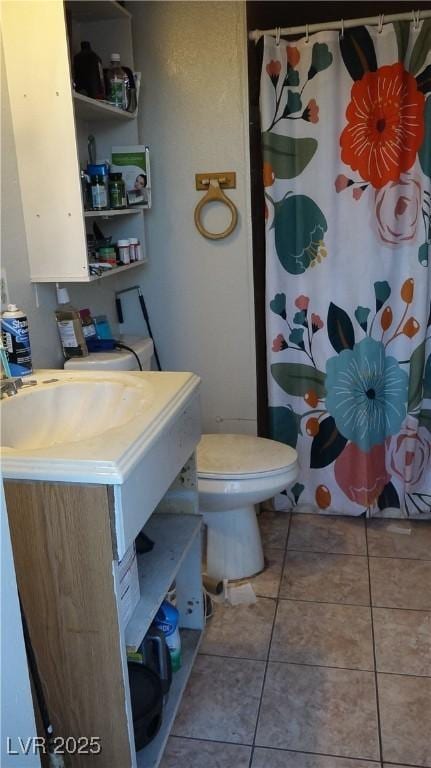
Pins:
x,y
274,527
399,583
384,541
403,641
267,583
326,578
193,753
405,716
276,758
322,533
316,709
324,634
240,630
221,700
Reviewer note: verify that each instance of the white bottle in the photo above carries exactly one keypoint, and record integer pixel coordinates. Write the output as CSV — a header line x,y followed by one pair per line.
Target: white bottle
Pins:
x,y
124,251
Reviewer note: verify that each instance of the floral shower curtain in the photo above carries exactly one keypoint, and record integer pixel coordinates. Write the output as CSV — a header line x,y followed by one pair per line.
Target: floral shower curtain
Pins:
x,y
346,137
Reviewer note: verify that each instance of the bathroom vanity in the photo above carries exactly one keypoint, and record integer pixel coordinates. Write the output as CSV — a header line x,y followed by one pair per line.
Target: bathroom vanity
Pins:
x,y
89,460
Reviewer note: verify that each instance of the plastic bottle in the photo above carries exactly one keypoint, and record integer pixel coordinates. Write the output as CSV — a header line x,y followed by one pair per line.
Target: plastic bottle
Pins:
x,y
16,340
117,83
69,327
167,619
88,72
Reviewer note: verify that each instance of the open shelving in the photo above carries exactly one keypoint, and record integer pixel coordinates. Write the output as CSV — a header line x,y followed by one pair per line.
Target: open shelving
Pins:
x,y
173,535
97,10
92,109
109,213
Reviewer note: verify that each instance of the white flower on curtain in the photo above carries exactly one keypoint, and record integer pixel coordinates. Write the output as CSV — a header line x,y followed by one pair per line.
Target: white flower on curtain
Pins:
x,y
346,138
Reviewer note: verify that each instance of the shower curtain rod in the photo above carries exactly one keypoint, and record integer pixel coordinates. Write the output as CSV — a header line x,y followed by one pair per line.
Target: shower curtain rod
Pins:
x,y
414,16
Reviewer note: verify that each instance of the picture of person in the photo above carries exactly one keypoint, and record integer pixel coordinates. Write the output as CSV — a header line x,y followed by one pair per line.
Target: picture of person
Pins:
x,y
141,181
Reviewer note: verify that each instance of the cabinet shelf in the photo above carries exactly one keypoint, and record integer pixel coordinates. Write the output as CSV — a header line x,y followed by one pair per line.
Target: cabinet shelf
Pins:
x,y
173,535
117,270
150,756
92,109
108,214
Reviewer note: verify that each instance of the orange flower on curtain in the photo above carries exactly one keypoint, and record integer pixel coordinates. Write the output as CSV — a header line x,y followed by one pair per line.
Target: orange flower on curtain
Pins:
x,y
385,125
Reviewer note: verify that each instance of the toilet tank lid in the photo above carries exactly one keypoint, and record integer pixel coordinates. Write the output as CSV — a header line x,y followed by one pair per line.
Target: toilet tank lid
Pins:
x,y
232,455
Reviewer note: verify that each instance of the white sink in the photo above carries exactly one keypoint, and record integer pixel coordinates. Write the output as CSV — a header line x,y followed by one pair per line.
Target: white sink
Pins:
x,y
87,426
70,411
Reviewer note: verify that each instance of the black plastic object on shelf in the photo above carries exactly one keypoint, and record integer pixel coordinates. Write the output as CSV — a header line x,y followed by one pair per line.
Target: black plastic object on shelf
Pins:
x,y
88,72
146,694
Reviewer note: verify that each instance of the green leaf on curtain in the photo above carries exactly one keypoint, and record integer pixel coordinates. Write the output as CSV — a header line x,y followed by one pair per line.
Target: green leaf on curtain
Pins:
x,y
357,50
288,157
297,378
361,314
421,48
388,497
284,425
296,491
424,153
382,292
423,254
425,419
423,80
321,58
326,445
299,231
293,104
416,374
340,328
402,31
292,77
427,378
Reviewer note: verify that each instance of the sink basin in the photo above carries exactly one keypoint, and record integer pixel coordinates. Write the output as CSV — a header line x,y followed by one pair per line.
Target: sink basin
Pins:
x,y
70,411
87,426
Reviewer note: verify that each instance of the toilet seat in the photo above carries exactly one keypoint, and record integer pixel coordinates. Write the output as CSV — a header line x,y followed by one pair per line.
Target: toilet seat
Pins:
x,y
242,457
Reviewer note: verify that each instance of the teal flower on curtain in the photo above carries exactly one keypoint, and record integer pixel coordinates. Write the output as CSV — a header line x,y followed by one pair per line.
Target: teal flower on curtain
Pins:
x,y
366,393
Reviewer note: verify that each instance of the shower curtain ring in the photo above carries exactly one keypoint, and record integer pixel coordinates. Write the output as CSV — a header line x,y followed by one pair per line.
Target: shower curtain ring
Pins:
x,y
277,36
306,33
342,30
381,20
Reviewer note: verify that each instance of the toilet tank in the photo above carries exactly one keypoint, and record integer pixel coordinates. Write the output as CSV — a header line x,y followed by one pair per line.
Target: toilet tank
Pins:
x,y
116,359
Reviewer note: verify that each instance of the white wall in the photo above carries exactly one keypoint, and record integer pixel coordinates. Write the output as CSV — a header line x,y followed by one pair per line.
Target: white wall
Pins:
x,y
17,715
199,292
194,117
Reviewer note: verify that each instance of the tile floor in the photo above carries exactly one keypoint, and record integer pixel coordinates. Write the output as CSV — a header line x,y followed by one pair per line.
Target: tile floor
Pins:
x,y
331,668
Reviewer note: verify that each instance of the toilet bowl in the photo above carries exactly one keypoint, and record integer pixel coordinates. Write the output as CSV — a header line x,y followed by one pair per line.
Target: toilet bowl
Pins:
x,y
236,472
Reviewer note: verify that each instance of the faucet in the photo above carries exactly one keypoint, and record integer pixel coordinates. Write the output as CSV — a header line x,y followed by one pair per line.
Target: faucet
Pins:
x,y
9,387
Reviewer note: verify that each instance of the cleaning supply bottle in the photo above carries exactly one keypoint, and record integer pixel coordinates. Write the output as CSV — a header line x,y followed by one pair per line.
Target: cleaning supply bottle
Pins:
x,y
16,341
167,619
69,326
117,83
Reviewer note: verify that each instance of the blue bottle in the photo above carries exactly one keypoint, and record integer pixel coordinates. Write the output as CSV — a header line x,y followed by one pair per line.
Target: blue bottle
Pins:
x,y
167,619
16,340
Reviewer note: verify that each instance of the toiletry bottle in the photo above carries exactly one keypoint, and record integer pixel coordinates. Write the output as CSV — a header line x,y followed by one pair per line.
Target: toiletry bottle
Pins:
x,y
16,340
88,72
167,619
69,326
117,83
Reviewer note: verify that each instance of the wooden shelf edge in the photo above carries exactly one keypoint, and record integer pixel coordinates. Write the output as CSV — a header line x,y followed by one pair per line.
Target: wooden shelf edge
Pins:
x,y
92,109
110,213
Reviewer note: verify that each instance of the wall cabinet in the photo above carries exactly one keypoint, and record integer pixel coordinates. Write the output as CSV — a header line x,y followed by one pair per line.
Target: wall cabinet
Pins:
x,y
66,556
52,124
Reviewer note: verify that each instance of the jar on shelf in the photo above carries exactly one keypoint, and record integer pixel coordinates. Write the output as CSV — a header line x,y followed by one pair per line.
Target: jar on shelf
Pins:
x,y
117,191
135,250
107,254
124,251
99,193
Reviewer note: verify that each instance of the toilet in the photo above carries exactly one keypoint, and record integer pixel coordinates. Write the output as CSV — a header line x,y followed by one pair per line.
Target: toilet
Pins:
x,y
236,472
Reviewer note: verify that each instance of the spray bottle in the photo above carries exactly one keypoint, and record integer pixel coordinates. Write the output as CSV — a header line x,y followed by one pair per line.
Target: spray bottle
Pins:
x,y
16,341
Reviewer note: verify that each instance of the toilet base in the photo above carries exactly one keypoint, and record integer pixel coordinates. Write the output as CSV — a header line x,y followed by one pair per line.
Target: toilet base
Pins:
x,y
234,546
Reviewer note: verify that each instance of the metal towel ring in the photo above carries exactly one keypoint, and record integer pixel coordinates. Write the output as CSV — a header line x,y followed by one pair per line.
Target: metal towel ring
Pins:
x,y
215,193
